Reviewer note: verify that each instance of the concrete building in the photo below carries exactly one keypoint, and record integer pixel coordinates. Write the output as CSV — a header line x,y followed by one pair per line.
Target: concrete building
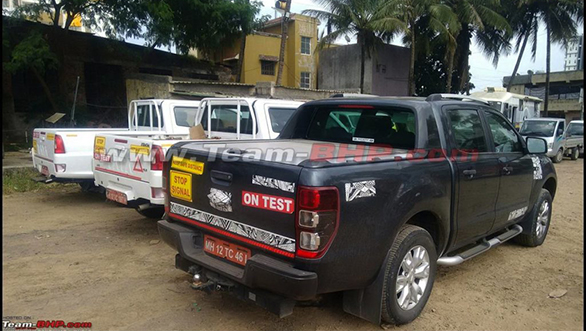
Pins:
x,y
385,73
575,54
261,55
564,91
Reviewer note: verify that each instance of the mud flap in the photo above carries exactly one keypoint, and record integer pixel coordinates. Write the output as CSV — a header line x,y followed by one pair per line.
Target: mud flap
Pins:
x,y
367,303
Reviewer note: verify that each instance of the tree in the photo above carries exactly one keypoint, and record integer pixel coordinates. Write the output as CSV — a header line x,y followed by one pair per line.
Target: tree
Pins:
x,y
480,19
33,53
439,18
561,19
248,23
364,19
88,9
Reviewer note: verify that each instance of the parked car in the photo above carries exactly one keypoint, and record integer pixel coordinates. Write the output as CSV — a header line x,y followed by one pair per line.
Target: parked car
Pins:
x,y
368,210
130,167
575,139
550,129
65,155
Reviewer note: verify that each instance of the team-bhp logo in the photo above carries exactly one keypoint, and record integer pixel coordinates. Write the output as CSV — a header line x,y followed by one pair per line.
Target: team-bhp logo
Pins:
x,y
44,324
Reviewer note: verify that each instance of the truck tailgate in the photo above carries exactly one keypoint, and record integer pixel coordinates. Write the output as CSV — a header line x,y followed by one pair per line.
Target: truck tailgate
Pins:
x,y
250,200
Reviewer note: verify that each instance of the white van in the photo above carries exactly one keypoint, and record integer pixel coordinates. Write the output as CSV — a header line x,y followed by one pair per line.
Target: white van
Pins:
x,y
515,107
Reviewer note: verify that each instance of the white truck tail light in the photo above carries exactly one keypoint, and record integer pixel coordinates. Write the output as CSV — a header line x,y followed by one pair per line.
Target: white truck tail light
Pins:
x,y
59,145
158,156
317,220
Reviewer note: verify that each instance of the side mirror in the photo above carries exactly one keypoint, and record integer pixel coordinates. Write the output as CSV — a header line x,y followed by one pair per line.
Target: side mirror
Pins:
x,y
560,132
536,145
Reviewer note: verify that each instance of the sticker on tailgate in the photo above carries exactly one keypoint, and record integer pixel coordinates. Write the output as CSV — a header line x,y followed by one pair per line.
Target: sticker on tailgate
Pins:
x,y
100,145
35,146
268,202
180,185
50,136
136,149
188,165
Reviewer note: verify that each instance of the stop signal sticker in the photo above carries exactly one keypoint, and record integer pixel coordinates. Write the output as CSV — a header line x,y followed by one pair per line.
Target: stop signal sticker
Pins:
x,y
180,185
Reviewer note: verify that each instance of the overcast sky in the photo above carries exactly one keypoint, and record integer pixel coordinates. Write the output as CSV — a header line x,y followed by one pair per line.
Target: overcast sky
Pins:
x,y
483,72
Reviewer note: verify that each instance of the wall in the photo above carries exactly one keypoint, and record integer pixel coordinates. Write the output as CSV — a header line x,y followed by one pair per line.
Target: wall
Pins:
x,y
390,71
257,45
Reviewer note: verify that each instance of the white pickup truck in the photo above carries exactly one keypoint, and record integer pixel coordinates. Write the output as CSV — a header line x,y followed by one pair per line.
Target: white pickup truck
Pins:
x,y
130,166
65,155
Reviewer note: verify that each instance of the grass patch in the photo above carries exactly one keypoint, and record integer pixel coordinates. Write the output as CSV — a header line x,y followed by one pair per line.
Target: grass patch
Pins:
x,y
21,180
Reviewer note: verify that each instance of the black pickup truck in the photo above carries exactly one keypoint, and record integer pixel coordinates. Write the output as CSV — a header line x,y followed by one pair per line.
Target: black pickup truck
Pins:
x,y
364,196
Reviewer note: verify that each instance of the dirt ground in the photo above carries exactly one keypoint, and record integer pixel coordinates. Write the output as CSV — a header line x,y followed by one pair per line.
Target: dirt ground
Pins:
x,y
75,257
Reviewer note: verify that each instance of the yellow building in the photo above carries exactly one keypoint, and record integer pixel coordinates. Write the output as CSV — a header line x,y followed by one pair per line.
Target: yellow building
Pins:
x,y
261,55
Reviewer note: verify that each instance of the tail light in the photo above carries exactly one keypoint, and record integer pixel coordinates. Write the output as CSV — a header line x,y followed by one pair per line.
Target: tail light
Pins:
x,y
317,220
158,157
59,145
165,192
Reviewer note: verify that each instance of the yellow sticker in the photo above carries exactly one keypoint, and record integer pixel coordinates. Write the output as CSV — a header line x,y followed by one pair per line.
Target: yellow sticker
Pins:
x,y
50,136
180,184
136,149
71,135
100,145
34,145
187,165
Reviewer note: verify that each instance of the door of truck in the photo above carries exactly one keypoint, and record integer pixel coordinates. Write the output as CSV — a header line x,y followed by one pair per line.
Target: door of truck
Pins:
x,y
477,173
228,119
516,169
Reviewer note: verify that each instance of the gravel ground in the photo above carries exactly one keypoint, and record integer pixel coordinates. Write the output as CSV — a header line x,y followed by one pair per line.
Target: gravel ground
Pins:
x,y
75,257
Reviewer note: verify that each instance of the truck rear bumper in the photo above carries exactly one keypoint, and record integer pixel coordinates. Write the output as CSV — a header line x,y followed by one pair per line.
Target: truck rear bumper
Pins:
x,y
261,271
135,190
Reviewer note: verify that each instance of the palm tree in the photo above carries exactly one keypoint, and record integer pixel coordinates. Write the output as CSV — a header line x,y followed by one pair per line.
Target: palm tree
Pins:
x,y
480,19
561,19
363,19
438,17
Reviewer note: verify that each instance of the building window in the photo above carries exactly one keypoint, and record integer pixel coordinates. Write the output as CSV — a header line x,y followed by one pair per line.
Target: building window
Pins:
x,y
267,68
304,82
305,45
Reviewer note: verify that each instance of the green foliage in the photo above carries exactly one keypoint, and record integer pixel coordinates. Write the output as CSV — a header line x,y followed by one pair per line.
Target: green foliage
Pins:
x,y
21,180
32,52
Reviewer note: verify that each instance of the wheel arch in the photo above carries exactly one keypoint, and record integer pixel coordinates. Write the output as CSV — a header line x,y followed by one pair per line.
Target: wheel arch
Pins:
x,y
551,185
433,224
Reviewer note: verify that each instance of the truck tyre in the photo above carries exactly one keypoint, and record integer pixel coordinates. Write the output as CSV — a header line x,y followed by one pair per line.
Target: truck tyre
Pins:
x,y
538,221
575,153
558,157
409,275
154,212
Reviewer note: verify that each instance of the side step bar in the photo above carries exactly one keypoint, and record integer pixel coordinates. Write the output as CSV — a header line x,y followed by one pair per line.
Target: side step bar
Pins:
x,y
480,248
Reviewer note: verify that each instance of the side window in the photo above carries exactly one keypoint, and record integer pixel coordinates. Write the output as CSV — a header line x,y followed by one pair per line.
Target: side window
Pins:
x,y
467,130
503,134
560,129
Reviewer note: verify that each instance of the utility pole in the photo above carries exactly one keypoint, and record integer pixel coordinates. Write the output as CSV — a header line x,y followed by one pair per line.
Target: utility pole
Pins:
x,y
284,28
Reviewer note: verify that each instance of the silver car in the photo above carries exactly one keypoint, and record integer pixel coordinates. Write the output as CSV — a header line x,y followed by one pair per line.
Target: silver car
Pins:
x,y
575,139
550,129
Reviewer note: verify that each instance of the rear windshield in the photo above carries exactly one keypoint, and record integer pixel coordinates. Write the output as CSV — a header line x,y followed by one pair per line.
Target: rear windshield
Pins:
x,y
279,116
364,124
185,116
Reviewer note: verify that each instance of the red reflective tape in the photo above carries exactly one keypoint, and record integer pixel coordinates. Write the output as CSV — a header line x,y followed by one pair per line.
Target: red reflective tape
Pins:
x,y
233,236
121,141
44,158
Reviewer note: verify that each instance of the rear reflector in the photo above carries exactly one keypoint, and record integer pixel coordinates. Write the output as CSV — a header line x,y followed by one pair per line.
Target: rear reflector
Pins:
x,y
121,141
157,192
60,167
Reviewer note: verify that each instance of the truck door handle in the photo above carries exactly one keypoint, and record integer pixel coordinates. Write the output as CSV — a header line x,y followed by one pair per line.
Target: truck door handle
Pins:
x,y
507,170
221,178
470,173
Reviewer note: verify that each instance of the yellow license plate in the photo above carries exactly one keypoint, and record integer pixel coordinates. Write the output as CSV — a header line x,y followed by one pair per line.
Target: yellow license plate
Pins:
x,y
34,145
187,165
180,185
